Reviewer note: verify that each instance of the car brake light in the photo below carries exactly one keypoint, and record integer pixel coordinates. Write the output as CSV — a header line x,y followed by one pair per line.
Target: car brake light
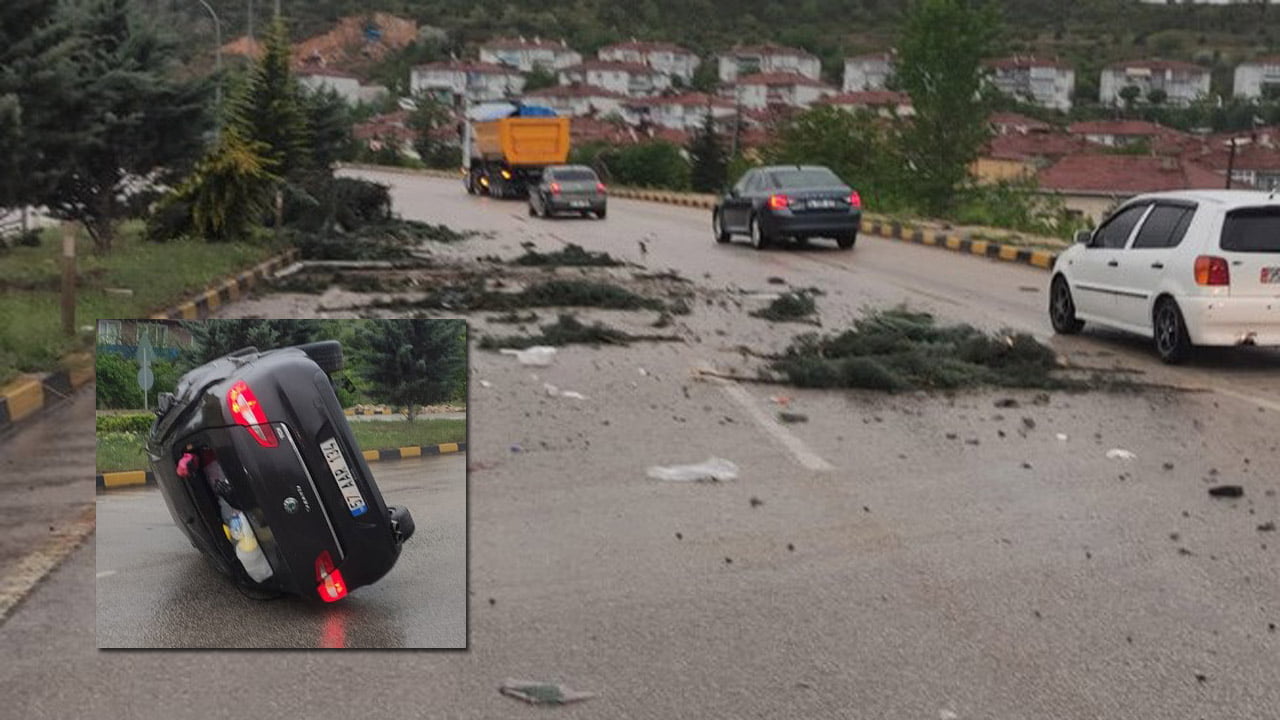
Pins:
x,y
600,188
1212,271
247,412
779,202
555,188
855,200
329,580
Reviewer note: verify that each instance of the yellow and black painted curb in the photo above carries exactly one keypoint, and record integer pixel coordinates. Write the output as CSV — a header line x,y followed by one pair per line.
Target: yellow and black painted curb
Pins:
x,y
228,290
135,478
1043,259
28,395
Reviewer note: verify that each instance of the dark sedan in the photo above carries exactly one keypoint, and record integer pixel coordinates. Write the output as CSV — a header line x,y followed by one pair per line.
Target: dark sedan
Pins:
x,y
789,201
568,188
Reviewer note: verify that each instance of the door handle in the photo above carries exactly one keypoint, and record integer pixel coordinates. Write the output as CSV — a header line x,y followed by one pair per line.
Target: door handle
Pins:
x,y
1114,263
1157,265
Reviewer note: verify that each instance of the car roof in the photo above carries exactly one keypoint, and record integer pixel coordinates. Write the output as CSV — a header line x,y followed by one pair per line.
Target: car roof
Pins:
x,y
571,167
1227,199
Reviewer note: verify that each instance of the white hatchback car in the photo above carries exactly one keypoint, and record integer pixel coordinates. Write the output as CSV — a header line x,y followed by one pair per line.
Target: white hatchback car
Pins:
x,y
1186,268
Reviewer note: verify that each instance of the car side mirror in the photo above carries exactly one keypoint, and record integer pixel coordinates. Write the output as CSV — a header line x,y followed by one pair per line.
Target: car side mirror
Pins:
x,y
1084,236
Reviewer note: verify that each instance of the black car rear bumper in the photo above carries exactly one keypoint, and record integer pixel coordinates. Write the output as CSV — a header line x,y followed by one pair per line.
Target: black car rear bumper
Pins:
x,y
822,224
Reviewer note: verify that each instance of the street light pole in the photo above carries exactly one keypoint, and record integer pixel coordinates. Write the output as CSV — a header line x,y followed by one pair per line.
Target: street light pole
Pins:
x,y
217,68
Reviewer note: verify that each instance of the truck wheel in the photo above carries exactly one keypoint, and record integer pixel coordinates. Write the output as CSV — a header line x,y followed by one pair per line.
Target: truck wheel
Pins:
x,y
326,353
470,183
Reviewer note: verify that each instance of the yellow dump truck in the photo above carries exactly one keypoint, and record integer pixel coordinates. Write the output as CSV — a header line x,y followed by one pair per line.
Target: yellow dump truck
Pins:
x,y
502,156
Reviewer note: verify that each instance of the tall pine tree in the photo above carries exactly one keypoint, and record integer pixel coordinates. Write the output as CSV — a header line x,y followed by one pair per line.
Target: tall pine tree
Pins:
x,y
413,362
271,112
710,162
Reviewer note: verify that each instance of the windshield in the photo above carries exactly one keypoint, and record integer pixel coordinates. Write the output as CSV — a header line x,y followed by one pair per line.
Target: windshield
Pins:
x,y
1252,230
801,179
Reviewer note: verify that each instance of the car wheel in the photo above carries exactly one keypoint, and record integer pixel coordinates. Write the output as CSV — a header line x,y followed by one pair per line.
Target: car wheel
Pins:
x,y
717,228
600,214
470,184
846,242
533,211
1062,308
326,353
402,525
758,239
1172,342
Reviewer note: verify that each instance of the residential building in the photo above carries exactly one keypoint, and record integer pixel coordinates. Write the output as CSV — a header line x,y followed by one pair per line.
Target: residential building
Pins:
x,y
1258,78
346,85
767,59
578,100
1009,123
390,130
525,55
167,337
867,72
1120,133
1180,82
679,112
762,90
885,103
1047,83
667,58
1020,155
1092,184
633,79
453,82
1254,164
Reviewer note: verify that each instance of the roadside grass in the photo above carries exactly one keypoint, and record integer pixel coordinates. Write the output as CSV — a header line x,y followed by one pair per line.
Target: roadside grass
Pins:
x,y
568,330
159,274
900,350
122,451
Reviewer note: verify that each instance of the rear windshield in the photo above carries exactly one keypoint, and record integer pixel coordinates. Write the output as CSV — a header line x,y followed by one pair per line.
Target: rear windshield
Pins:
x,y
574,175
1252,230
800,179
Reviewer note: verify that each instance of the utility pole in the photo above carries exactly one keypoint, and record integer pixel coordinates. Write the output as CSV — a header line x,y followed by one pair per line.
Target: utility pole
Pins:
x,y
68,278
250,21
1231,161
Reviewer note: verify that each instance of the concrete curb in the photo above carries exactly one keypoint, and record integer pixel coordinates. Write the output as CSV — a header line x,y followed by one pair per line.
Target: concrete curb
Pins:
x,y
229,290
134,478
379,411
25,397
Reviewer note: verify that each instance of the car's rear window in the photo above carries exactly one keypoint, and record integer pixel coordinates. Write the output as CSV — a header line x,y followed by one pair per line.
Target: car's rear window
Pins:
x,y
800,179
575,175
1252,230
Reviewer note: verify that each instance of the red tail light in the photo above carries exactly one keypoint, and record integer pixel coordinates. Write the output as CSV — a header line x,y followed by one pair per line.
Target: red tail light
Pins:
x,y
855,200
1212,271
247,412
600,188
779,202
555,188
329,580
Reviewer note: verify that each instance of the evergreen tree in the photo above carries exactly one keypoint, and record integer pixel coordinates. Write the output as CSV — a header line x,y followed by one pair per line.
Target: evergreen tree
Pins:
x,y
710,162
428,119
271,112
413,362
539,78
940,52
229,191
329,123
211,339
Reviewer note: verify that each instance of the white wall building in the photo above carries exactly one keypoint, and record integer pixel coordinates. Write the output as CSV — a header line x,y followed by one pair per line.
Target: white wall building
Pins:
x,y
885,103
757,59
678,112
761,90
1047,83
633,79
477,82
1182,82
1257,78
578,100
667,58
347,86
524,54
867,72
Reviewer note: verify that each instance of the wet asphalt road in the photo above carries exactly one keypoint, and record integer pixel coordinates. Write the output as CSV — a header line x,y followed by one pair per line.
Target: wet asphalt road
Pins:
x,y
957,560
155,590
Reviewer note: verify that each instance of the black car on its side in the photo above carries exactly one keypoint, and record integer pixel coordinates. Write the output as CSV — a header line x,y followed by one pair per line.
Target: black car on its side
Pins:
x,y
260,436
789,201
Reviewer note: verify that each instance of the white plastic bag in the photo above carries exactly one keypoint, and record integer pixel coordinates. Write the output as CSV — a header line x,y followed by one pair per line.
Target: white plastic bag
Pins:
x,y
713,470
538,355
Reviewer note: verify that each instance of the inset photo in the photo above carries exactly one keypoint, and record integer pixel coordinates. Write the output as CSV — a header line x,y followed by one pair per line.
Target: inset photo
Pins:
x,y
282,484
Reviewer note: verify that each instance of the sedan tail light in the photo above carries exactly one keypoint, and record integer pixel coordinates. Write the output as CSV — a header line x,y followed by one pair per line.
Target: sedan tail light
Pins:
x,y
855,200
600,188
555,188
329,580
779,202
1212,271
248,413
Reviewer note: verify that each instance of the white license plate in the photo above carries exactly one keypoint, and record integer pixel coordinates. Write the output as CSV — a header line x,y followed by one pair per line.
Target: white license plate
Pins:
x,y
342,474
822,203
579,203
1271,276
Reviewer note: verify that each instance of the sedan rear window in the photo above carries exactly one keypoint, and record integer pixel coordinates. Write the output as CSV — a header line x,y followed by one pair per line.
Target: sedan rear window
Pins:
x,y
801,179
575,175
1252,230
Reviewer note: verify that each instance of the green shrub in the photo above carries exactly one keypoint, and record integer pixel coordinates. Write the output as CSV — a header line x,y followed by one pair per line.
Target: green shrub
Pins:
x,y
117,381
130,423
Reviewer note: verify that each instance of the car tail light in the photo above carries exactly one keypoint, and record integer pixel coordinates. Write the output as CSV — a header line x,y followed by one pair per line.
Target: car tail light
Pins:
x,y
555,188
329,582
779,202
855,200
600,188
247,412
1212,271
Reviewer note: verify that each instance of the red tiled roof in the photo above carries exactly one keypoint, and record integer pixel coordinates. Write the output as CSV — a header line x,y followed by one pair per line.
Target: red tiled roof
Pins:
x,y
463,66
1119,127
1023,61
780,78
1248,157
1009,119
391,126
575,90
647,46
633,68
691,99
868,98
1158,65
768,49
326,72
587,129
507,43
1016,146
1125,174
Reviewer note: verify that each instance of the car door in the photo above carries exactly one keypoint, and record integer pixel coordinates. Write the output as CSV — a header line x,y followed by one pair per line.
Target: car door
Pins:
x,y
1095,272
1148,260
735,207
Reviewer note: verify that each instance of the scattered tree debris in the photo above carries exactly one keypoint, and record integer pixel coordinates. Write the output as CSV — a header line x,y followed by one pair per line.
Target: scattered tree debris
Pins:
x,y
570,256
541,693
793,417
514,318
795,306
568,330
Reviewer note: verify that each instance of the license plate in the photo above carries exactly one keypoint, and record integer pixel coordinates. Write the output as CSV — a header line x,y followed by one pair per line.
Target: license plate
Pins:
x,y
579,203
1271,276
822,204
342,474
